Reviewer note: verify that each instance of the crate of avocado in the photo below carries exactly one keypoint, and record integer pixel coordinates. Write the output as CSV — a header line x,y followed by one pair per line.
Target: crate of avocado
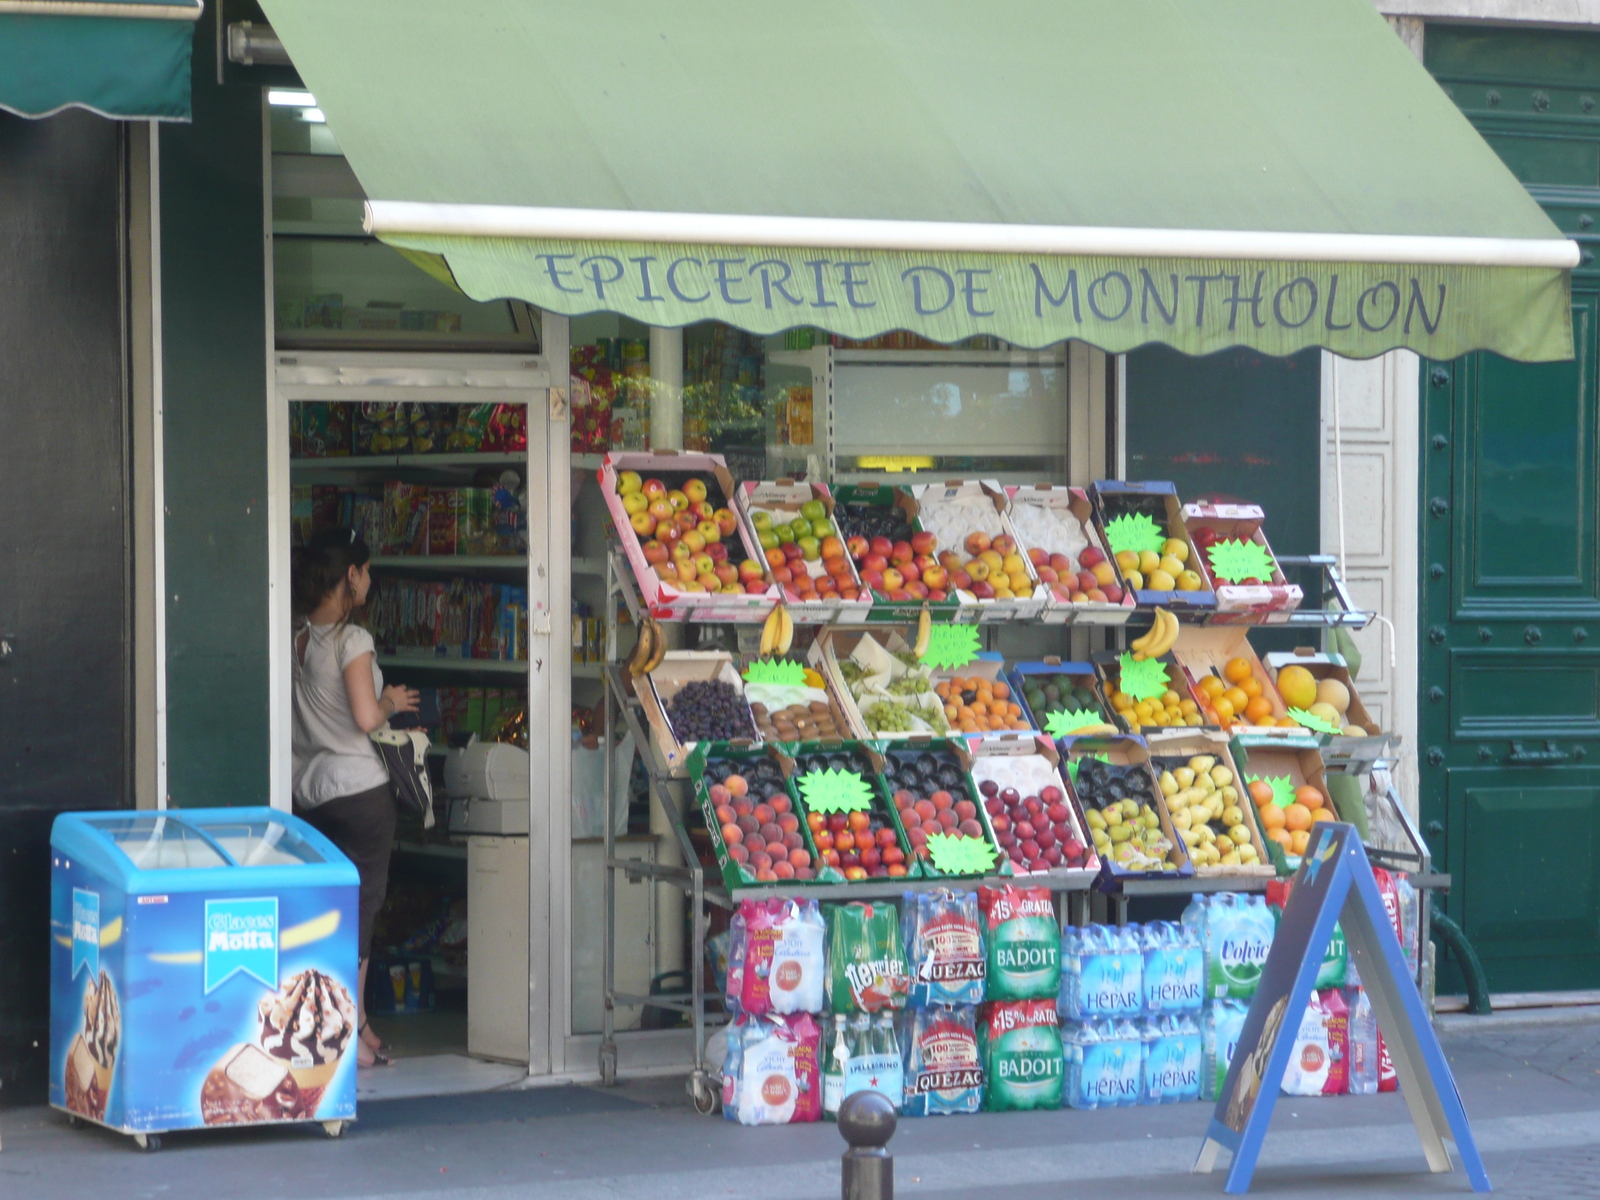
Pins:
x,y
935,799
1061,699
847,812
1124,808
757,828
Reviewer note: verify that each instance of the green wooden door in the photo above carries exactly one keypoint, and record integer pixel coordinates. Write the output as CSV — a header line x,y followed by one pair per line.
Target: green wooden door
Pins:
x,y
1510,676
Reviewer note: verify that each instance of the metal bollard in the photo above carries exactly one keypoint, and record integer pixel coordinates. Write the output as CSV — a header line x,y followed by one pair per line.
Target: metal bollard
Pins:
x,y
866,1121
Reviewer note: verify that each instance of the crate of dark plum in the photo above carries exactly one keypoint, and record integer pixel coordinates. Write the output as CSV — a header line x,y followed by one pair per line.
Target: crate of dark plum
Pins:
x,y
1035,821
879,527
694,696
756,823
929,782
1052,688
867,843
1114,784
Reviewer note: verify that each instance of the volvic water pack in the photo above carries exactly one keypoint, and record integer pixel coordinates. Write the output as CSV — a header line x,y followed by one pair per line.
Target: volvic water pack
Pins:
x,y
1021,942
1174,968
1236,931
1171,1066
1220,1026
1102,972
1104,1064
943,1073
944,947
1020,1044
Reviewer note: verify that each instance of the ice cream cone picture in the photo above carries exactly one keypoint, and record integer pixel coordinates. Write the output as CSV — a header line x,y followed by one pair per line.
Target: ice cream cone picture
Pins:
x,y
248,1086
307,1025
93,1056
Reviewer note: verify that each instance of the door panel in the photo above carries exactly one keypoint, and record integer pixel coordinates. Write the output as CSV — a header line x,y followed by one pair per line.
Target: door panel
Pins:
x,y
1523,693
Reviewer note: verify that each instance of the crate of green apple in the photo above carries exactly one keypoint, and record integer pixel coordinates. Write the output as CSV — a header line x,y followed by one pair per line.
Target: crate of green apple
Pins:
x,y
881,539
932,790
803,551
1034,820
674,517
754,818
865,844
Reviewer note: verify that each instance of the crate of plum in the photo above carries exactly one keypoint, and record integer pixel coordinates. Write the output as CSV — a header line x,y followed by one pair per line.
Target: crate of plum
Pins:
x,y
1027,802
982,556
750,812
1235,556
879,527
1209,802
933,794
804,550
1142,525
884,690
1056,530
674,517
853,826
1122,805
1059,698
695,696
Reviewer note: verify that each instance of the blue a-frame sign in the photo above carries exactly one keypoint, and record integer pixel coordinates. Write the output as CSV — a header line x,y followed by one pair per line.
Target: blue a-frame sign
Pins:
x,y
1335,884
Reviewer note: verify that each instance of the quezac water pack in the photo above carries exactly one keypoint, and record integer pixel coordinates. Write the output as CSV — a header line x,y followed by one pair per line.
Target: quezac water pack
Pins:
x,y
944,946
1023,1068
944,1073
1022,943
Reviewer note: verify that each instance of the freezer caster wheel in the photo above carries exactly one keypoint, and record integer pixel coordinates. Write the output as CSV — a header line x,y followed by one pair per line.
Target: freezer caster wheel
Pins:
x,y
334,1129
148,1142
608,1064
702,1094
74,1122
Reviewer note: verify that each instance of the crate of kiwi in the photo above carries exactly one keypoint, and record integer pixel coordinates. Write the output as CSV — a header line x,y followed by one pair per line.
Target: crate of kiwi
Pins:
x,y
753,815
868,843
929,782
795,713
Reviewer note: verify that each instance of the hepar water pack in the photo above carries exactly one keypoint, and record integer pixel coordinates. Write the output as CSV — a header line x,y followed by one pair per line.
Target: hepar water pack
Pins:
x,y
1102,972
1174,968
1023,1067
770,1075
944,947
1236,931
1170,1071
1021,942
943,1074
1104,1064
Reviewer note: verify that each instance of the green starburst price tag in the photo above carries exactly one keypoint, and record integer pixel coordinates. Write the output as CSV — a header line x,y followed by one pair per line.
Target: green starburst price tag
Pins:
x,y
1312,721
1135,532
1142,680
951,646
1235,561
1282,788
835,791
1065,724
957,854
776,671
1072,765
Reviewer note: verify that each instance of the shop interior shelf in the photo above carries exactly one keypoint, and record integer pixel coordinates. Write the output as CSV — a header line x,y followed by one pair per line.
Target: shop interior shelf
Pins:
x,y
486,666
381,462
589,670
450,562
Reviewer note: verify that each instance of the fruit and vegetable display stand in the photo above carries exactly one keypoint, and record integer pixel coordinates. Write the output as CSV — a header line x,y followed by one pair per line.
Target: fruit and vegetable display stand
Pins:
x,y
899,759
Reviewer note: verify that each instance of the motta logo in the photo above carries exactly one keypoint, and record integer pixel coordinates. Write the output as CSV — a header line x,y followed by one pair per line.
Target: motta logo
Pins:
x,y
85,932
241,935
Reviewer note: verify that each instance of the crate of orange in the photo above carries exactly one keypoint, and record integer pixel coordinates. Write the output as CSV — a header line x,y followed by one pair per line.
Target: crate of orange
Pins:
x,y
977,701
1234,690
1286,785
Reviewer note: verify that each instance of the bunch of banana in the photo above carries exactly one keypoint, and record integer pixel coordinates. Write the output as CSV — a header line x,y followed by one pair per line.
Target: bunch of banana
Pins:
x,y
777,635
649,650
1163,632
924,632
1097,729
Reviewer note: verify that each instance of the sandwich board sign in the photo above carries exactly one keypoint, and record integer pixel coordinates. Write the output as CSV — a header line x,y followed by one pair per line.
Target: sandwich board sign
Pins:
x,y
1335,884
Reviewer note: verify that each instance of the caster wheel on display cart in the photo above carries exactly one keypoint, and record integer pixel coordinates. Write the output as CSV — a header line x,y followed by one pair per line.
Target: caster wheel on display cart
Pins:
x,y
334,1129
702,1094
147,1142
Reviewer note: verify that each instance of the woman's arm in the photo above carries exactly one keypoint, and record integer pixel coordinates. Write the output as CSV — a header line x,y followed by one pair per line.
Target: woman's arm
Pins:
x,y
369,710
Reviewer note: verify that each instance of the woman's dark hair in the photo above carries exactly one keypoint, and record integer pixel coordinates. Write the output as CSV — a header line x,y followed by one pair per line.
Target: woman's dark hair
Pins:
x,y
322,565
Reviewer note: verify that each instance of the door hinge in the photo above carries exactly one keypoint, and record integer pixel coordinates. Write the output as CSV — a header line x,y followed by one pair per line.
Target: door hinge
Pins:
x,y
1520,756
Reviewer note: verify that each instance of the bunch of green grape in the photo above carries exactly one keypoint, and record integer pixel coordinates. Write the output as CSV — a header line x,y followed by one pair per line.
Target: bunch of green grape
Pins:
x,y
886,716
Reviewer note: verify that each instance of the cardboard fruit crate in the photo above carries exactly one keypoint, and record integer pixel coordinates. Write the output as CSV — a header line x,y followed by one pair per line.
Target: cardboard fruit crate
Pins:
x,y
931,496
1108,667
1122,750
871,771
782,499
1268,603
950,754
1203,650
884,496
1182,745
1021,674
835,644
1113,498
1330,666
988,758
737,874
1269,758
667,601
989,666
1059,610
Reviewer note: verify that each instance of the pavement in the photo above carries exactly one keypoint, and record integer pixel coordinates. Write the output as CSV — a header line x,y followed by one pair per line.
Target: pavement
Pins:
x,y
1531,1090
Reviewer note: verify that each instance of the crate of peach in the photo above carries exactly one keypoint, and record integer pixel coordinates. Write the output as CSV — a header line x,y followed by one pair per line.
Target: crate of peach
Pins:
x,y
756,827
996,581
1287,787
978,704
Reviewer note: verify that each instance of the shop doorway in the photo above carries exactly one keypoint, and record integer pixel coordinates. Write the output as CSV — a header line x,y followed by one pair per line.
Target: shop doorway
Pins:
x,y
439,462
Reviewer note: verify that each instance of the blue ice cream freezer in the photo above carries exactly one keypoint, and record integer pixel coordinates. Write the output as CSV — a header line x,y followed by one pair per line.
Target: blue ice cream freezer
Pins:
x,y
202,971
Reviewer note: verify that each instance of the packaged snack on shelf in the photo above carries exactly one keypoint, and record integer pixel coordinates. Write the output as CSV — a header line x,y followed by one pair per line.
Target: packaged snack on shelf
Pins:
x,y
757,830
771,1073
1171,1067
1236,930
1104,1063
1102,972
879,526
1022,943
865,841
1319,1062
867,969
1220,1026
1126,816
472,424
1056,529
1059,698
784,964
300,510
1027,803
1239,565
444,519
1142,525
1227,678
943,1071
986,564
654,504
507,430
1019,1043
1323,679
944,948
1284,779
932,791
407,516
1160,699
884,690
802,548
1209,802
324,429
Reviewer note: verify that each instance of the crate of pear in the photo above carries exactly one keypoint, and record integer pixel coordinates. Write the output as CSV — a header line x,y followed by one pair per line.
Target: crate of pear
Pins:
x,y
1211,813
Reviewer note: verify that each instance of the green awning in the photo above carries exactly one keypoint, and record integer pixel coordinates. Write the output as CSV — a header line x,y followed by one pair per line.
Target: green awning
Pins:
x,y
1239,172
119,58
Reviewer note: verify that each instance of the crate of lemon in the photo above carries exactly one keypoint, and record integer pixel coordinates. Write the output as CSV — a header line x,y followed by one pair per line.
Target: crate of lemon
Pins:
x,y
1208,802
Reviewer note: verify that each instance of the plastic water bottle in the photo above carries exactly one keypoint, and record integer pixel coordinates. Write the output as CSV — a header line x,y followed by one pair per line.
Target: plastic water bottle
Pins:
x,y
1124,1074
1066,997
1363,1033
1410,919
1186,959
1220,1027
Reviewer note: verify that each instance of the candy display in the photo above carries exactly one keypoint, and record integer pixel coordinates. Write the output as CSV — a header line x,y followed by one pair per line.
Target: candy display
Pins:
x,y
932,794
770,1075
1022,943
1028,808
461,618
867,970
1019,1043
944,949
944,1074
863,843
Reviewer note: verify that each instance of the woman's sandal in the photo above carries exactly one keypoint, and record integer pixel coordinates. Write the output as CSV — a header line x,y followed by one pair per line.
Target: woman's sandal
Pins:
x,y
379,1059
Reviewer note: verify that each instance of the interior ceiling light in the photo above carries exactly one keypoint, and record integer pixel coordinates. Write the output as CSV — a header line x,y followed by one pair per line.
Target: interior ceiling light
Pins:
x,y
290,98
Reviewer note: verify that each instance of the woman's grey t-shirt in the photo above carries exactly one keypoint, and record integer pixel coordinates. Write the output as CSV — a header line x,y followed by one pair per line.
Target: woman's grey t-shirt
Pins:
x,y
332,756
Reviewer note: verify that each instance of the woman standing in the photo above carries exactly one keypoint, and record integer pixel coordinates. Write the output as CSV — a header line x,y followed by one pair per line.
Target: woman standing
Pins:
x,y
340,784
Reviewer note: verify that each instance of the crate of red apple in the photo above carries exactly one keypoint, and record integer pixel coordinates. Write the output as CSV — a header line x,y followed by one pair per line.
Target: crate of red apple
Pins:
x,y
1055,527
674,518
1220,532
893,562
979,550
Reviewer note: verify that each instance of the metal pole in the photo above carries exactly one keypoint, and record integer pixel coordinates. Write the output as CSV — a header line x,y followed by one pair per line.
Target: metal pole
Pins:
x,y
866,1122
